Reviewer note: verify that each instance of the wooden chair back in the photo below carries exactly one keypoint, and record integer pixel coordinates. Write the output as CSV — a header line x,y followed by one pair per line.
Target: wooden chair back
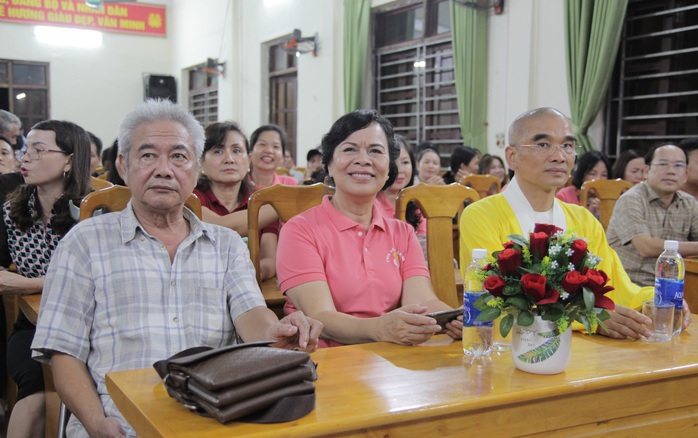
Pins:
x,y
484,185
98,184
439,205
288,201
115,198
608,191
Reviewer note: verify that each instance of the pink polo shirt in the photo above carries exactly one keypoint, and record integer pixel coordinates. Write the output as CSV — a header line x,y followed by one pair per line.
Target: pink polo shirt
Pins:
x,y
389,210
281,179
364,270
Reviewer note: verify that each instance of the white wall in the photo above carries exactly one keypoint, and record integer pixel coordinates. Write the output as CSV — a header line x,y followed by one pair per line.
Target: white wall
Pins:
x,y
320,78
92,87
95,88
526,64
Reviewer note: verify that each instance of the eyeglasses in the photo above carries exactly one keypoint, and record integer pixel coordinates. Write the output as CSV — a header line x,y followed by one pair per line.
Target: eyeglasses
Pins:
x,y
664,166
547,149
36,154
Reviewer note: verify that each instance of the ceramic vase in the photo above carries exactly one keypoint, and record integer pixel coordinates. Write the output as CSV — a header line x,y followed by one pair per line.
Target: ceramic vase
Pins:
x,y
539,348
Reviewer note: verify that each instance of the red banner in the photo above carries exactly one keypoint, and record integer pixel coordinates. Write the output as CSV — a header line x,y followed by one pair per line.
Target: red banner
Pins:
x,y
135,18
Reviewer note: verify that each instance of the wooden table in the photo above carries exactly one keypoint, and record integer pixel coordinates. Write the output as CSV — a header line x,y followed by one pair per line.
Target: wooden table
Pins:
x,y
627,388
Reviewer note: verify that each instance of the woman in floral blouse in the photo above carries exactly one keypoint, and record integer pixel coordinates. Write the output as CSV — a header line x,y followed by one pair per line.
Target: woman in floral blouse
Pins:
x,y
56,170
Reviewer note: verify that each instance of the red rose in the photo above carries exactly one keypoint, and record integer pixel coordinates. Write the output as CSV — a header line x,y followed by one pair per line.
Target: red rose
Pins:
x,y
508,245
495,285
597,284
546,228
539,243
488,267
573,282
596,278
509,260
535,286
579,250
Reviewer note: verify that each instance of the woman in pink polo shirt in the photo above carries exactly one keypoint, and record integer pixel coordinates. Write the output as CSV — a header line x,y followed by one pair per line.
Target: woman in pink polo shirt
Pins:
x,y
225,187
346,264
268,148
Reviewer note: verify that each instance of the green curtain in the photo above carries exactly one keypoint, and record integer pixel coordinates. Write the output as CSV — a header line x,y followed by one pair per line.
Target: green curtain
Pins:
x,y
592,33
356,32
469,36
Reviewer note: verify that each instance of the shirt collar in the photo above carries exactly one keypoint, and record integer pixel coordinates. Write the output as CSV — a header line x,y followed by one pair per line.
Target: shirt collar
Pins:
x,y
652,194
343,223
526,215
130,225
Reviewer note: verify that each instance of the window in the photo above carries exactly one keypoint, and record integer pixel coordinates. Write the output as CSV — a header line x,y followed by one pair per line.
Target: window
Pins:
x,y
24,90
653,94
203,94
283,92
414,79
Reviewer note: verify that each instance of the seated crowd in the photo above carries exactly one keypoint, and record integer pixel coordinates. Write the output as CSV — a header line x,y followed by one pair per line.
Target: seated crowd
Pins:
x,y
125,289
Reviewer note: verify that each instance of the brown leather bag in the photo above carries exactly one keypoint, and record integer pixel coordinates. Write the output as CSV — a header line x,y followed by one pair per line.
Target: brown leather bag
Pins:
x,y
247,382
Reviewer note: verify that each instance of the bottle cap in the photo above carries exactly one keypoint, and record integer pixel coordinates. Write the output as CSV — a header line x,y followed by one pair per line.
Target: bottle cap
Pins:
x,y
479,253
672,245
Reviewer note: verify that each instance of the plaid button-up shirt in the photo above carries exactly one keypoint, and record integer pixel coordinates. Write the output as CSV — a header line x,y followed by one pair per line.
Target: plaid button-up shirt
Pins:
x,y
640,211
114,300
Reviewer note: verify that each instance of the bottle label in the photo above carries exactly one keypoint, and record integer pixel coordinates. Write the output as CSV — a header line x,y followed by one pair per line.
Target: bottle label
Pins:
x,y
470,312
668,291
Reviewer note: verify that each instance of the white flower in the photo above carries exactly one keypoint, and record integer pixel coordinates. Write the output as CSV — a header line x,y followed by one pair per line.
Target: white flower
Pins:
x,y
554,249
564,295
569,252
571,267
554,264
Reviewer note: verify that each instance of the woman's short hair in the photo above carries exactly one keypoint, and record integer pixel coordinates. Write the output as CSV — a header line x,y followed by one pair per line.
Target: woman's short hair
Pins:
x,y
623,160
587,162
462,155
158,110
264,128
356,121
422,152
216,134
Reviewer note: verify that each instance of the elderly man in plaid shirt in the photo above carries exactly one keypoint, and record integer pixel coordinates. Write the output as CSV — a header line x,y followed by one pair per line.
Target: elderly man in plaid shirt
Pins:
x,y
126,289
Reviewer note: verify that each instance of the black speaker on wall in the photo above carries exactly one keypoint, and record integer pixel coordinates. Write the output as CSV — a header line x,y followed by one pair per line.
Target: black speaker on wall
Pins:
x,y
159,87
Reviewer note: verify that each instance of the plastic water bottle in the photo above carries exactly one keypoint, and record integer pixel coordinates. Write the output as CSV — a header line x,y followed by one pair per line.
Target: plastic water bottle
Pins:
x,y
477,336
668,283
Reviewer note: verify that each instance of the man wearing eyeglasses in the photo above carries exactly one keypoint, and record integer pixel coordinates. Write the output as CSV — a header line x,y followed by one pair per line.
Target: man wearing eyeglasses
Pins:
x,y
654,211
542,153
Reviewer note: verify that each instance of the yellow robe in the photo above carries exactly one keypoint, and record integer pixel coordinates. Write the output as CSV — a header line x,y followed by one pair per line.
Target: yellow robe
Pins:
x,y
487,223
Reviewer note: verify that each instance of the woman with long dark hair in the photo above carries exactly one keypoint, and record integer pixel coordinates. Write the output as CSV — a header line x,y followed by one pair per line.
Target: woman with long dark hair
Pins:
x,y
56,170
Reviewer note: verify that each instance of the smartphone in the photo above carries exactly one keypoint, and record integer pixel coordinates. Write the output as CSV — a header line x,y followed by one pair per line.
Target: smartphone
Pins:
x,y
445,316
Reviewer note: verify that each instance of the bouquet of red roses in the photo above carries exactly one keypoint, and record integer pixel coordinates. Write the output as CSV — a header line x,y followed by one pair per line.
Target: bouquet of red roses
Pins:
x,y
552,274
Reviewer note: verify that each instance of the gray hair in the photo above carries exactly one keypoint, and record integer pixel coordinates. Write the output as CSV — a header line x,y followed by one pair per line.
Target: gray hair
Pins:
x,y
158,110
7,119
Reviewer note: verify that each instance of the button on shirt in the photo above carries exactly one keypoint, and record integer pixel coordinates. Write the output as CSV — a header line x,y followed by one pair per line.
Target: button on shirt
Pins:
x,y
364,269
641,211
113,299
